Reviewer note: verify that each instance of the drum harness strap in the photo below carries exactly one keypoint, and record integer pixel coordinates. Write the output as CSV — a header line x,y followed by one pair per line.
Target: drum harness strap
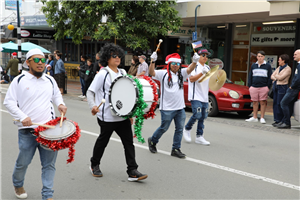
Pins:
x,y
123,72
194,83
162,91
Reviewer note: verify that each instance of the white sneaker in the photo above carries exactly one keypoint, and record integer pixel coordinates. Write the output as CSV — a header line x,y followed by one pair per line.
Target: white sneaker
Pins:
x,y
187,135
252,119
201,140
80,96
262,120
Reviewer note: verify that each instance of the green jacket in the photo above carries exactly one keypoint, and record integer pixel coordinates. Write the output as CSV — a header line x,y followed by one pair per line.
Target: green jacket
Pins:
x,y
13,66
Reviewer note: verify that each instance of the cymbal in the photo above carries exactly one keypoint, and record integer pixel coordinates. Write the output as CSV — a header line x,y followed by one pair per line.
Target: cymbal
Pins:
x,y
209,73
217,80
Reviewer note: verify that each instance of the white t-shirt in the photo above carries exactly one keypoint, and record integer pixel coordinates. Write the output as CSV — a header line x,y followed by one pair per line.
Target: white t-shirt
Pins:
x,y
105,113
198,91
143,67
28,96
170,98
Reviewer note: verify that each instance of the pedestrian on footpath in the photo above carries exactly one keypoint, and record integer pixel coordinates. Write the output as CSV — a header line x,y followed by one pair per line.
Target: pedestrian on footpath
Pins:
x,y
96,64
81,73
29,99
198,96
60,72
280,79
88,77
134,66
143,67
171,100
259,82
13,66
287,103
111,56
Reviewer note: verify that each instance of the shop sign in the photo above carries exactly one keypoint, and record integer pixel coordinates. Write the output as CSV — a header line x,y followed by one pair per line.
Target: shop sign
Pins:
x,y
38,34
216,61
37,20
12,5
182,31
274,28
273,39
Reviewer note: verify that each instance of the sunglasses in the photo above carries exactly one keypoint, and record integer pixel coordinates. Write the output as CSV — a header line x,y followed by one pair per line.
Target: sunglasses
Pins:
x,y
174,63
204,55
114,56
37,60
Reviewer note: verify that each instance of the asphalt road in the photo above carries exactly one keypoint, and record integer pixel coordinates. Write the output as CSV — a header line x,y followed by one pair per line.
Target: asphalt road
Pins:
x,y
244,161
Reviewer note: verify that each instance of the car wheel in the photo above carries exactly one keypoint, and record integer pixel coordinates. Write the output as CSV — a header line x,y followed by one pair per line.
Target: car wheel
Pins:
x,y
212,106
244,113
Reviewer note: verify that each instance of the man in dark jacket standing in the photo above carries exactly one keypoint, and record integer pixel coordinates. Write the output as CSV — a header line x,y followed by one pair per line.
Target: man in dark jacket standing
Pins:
x,y
82,70
290,96
96,67
259,82
13,66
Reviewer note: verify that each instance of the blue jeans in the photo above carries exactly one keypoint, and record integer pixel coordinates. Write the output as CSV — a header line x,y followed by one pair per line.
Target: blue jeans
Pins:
x,y
27,147
287,104
278,94
12,78
82,83
166,118
200,112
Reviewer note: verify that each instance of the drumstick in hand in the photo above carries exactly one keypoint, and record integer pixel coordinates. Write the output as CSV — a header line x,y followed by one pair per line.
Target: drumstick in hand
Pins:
x,y
61,119
103,101
160,41
43,125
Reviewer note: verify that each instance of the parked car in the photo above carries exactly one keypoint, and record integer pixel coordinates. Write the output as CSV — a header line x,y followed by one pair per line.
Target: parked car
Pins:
x,y
230,98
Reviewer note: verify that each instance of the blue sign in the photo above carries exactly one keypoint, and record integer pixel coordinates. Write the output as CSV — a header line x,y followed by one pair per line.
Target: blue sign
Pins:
x,y
195,36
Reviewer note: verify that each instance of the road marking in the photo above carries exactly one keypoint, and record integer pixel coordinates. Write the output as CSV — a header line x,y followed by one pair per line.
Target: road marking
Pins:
x,y
228,169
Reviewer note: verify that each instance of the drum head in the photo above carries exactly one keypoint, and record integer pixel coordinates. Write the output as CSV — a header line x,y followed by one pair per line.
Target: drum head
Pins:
x,y
59,133
123,96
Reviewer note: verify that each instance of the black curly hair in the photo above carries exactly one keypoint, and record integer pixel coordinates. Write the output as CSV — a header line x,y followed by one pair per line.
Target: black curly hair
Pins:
x,y
108,50
180,77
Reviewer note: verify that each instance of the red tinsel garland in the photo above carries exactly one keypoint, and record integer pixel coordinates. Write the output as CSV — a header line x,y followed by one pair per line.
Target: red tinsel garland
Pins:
x,y
56,145
151,112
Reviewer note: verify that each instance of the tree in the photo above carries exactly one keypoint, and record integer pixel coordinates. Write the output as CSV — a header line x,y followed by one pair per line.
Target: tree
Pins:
x,y
133,23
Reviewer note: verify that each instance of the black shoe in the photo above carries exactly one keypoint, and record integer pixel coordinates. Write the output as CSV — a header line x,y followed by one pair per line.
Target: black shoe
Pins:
x,y
96,172
152,146
135,175
275,124
177,153
284,126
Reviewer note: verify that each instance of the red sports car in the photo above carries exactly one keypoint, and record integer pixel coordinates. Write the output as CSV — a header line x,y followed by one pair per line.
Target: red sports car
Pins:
x,y
230,98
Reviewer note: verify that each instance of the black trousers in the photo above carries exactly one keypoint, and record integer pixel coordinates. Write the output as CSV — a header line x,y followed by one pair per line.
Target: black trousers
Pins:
x,y
124,130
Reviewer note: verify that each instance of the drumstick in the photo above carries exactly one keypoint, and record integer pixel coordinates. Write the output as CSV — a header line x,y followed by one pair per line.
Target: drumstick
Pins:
x,y
43,125
103,101
160,41
61,119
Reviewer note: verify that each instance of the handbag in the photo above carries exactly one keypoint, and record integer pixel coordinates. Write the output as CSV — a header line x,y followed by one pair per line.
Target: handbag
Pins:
x,y
271,93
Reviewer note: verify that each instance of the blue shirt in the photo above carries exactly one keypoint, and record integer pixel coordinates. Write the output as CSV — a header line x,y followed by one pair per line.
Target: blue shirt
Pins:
x,y
296,80
59,67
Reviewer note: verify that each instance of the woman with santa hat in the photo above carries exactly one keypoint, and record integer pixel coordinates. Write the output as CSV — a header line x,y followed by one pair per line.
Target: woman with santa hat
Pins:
x,y
171,99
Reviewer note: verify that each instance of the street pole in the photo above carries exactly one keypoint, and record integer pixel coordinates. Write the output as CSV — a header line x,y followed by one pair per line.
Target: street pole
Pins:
x,y
19,38
196,17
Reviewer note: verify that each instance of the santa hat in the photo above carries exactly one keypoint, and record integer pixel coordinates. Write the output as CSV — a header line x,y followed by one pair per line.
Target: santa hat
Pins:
x,y
14,54
48,66
174,57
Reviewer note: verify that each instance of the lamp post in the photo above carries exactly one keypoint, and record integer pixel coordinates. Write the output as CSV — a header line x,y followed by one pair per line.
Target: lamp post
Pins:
x,y
19,37
196,17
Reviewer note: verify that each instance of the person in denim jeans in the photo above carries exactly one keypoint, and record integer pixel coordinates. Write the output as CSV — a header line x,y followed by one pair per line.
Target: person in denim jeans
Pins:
x,y
290,97
23,100
280,79
198,96
171,100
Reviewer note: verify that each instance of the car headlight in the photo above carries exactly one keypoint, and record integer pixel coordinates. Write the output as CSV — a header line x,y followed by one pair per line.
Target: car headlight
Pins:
x,y
234,94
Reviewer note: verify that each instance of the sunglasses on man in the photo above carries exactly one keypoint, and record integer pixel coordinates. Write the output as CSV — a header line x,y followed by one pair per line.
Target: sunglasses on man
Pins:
x,y
174,63
114,56
204,55
37,60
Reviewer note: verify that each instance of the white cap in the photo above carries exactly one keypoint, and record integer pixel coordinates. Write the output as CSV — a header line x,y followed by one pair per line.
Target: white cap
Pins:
x,y
30,53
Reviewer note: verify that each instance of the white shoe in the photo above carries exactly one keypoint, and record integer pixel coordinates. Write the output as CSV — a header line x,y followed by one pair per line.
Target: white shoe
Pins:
x,y
201,140
80,96
187,135
20,193
252,119
262,120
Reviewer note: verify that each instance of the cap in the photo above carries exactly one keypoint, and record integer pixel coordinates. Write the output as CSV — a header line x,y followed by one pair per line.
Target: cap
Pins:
x,y
203,51
14,54
143,56
30,53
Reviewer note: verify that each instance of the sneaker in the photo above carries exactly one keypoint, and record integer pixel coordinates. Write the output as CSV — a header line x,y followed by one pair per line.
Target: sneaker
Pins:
x,y
80,96
96,172
135,175
85,99
252,119
177,153
152,146
187,135
262,120
201,140
20,193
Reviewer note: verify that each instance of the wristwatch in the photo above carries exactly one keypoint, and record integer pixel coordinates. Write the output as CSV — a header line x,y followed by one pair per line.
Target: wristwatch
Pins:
x,y
153,61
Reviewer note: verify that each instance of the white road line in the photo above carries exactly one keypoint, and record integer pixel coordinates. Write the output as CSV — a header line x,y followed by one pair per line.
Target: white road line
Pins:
x,y
228,169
